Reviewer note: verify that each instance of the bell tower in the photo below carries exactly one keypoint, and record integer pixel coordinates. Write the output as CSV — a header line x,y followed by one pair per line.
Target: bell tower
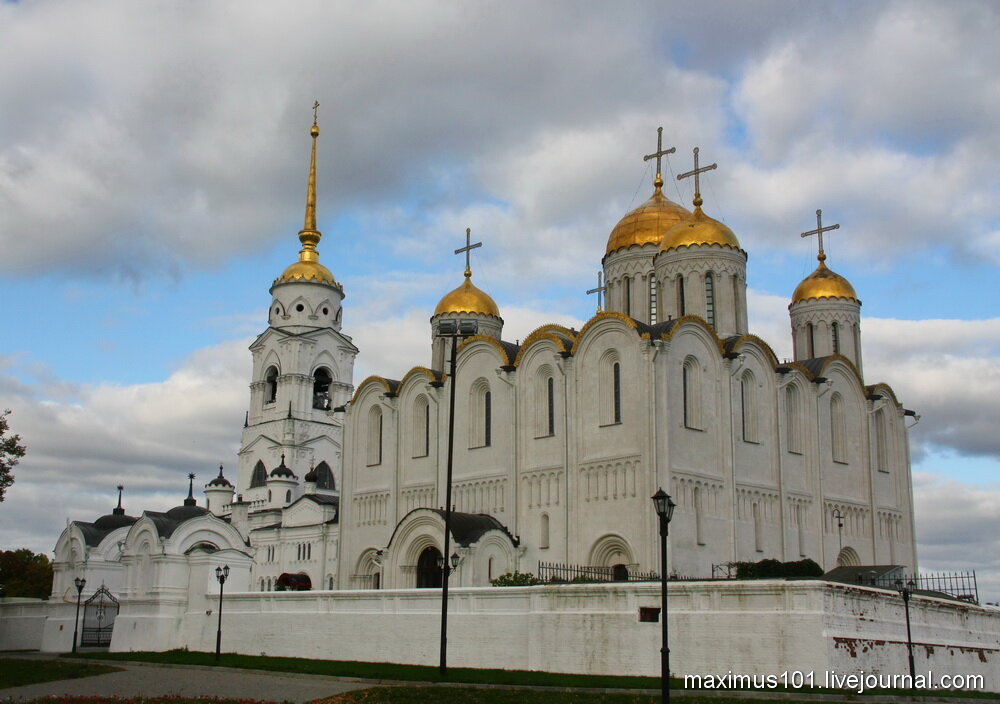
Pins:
x,y
303,367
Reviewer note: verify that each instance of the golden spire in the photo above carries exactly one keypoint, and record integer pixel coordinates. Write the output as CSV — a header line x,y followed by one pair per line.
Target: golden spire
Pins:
x,y
309,236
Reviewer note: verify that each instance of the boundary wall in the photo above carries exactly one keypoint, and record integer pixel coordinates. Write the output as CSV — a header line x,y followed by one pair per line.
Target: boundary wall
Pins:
x,y
761,627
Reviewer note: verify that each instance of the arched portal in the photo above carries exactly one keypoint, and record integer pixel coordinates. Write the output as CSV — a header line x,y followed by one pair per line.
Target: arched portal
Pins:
x,y
848,557
428,571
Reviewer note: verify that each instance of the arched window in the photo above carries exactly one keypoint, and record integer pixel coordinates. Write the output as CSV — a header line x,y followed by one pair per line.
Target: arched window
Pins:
x,y
321,389
288,496
259,475
421,427
810,340
374,436
748,406
881,454
543,538
271,385
550,404
681,304
838,429
545,402
480,414
616,372
652,299
758,543
710,299
610,388
627,289
699,517
793,420
835,329
691,389
324,477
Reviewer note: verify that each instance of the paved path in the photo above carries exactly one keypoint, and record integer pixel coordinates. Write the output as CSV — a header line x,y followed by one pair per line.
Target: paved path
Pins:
x,y
149,679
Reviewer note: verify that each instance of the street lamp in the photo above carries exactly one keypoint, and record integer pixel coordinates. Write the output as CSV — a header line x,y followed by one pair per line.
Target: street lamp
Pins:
x,y
840,526
454,562
665,510
905,591
453,329
80,583
221,574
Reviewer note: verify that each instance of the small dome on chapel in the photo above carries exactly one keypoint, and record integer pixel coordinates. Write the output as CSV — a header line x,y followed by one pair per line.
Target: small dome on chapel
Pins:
x,y
823,283
699,229
467,298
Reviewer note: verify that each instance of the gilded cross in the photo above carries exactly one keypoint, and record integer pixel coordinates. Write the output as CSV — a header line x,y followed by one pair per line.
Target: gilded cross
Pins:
x,y
315,113
819,232
660,152
696,172
468,248
601,288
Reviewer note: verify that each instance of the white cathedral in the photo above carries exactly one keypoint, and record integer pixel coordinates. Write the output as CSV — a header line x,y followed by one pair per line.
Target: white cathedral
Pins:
x,y
559,441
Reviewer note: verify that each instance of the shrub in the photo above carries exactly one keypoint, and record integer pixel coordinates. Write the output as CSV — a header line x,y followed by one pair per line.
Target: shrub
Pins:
x,y
775,569
515,579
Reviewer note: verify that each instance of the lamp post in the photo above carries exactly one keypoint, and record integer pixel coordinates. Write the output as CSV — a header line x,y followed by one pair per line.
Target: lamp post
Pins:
x,y
840,526
221,574
665,510
453,329
80,583
905,591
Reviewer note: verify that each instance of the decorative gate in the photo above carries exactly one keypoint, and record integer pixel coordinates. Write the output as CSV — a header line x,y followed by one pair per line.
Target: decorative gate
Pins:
x,y
99,613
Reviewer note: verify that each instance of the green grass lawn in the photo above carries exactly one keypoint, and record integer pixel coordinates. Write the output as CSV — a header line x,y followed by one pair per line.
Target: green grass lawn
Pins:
x,y
470,695
15,672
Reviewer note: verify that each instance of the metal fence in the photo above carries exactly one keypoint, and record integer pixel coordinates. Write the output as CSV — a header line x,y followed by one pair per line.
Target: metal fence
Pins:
x,y
557,573
958,585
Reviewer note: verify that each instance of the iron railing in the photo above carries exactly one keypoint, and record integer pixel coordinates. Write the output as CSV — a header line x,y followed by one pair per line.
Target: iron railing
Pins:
x,y
552,572
958,585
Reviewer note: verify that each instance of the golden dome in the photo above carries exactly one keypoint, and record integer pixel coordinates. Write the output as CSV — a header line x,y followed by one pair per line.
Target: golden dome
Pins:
x,y
307,271
699,229
823,283
647,223
467,299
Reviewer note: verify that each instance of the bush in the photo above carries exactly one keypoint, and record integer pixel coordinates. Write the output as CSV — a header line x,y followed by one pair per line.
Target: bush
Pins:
x,y
775,569
515,579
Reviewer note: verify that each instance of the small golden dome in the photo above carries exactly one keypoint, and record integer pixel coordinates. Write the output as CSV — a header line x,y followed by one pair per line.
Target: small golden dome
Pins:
x,y
823,283
467,299
307,271
699,229
647,223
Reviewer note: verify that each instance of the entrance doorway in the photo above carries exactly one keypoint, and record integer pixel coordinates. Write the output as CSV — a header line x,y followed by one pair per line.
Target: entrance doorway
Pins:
x,y
428,571
99,615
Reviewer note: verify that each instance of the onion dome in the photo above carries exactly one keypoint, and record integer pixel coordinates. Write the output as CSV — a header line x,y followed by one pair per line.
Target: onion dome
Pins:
x,y
823,283
468,299
220,480
117,517
281,471
648,223
699,229
312,475
308,268
190,508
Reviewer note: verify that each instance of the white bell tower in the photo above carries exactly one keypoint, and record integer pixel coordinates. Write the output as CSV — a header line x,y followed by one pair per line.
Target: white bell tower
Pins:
x,y
303,367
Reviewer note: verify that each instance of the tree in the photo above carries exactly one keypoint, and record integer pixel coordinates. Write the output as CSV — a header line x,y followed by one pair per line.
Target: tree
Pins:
x,y
23,573
10,452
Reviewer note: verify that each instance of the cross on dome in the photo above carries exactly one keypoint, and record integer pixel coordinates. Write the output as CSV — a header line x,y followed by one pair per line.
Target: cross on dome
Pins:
x,y
601,288
658,155
819,233
469,246
696,172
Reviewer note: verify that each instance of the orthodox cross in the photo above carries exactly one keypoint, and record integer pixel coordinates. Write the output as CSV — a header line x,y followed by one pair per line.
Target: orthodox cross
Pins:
x,y
601,288
819,233
469,246
696,172
315,113
659,154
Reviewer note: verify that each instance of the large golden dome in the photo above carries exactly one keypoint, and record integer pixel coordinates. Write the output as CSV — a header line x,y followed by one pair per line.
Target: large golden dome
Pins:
x,y
823,283
699,229
311,271
467,299
647,223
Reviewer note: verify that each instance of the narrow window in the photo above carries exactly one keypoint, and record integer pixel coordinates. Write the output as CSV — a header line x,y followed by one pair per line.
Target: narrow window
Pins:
x,y
748,399
487,419
881,442
628,295
691,389
543,540
836,338
616,373
271,385
330,583
757,538
427,429
550,394
421,427
838,433
710,299
801,520
793,421
652,299
288,496
699,517
374,436
810,340
321,389
681,305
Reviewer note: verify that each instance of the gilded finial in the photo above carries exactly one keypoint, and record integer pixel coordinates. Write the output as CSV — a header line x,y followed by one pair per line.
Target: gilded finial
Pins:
x,y
658,155
821,255
696,172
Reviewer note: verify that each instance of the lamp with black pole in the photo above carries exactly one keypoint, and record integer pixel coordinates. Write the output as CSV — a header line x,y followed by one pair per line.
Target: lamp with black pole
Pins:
x,y
221,574
665,510
80,583
905,590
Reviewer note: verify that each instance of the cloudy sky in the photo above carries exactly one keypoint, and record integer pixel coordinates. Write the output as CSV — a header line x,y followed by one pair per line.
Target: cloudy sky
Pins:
x,y
152,168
